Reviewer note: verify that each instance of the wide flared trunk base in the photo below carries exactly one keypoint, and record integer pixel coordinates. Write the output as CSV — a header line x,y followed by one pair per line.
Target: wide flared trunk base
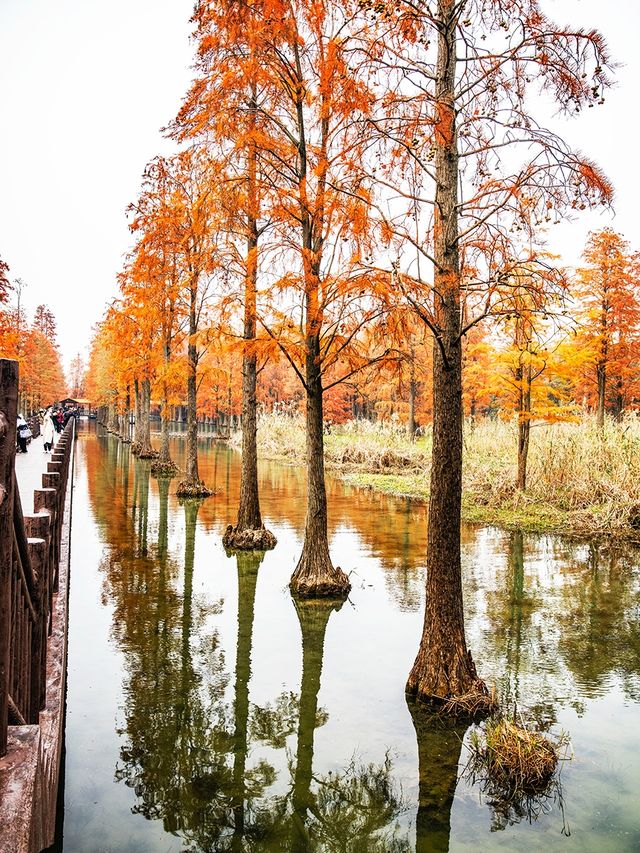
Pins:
x,y
164,469
143,452
452,687
249,539
319,580
193,490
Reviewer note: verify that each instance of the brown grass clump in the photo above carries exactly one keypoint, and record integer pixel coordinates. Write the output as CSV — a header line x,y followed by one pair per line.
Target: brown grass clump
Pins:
x,y
512,759
471,705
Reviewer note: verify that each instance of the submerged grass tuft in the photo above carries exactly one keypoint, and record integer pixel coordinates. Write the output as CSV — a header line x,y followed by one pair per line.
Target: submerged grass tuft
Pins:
x,y
513,760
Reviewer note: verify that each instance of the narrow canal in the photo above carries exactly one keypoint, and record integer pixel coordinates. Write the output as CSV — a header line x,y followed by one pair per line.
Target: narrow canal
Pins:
x,y
208,712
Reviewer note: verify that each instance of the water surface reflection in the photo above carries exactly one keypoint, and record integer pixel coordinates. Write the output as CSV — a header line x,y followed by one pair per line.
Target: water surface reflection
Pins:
x,y
209,711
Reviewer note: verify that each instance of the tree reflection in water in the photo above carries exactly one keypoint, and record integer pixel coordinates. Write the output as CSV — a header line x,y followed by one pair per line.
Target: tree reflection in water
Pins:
x,y
439,747
561,622
346,812
600,621
186,747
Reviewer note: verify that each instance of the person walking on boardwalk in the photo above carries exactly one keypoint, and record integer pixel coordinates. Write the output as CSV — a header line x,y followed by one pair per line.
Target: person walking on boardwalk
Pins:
x,y
48,430
23,434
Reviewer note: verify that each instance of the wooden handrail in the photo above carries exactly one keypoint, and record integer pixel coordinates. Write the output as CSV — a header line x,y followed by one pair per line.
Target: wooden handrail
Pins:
x,y
29,558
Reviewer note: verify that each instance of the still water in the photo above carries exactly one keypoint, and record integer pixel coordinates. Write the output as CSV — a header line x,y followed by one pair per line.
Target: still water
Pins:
x,y
207,711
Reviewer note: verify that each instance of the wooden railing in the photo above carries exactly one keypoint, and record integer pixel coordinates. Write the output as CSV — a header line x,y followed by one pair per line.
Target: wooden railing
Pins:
x,y
29,564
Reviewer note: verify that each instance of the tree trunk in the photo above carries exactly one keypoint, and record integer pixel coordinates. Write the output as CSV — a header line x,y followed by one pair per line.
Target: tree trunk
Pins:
x,y
523,377
249,532
249,508
164,464
192,485
315,575
136,415
443,668
618,411
143,440
123,427
601,375
411,422
165,455
601,366
112,423
193,475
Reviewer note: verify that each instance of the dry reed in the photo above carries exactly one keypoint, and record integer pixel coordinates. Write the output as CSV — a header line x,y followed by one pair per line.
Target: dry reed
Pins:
x,y
581,478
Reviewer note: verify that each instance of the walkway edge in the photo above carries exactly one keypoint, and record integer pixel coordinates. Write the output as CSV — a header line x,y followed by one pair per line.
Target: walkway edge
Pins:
x,y
29,773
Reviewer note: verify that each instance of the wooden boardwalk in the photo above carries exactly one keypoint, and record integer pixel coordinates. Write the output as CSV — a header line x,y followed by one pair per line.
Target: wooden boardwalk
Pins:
x,y
35,523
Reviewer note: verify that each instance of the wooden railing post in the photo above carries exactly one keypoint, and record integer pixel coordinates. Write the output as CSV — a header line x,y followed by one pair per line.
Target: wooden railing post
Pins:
x,y
38,557
8,416
38,526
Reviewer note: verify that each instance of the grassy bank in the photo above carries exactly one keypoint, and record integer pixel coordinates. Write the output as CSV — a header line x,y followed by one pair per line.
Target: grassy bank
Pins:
x,y
581,482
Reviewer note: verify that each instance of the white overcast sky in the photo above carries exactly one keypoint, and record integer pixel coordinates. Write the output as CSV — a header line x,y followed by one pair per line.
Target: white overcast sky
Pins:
x,y
85,87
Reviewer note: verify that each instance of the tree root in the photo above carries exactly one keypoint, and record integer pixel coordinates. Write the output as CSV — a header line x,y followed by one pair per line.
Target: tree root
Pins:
x,y
476,703
249,539
193,490
332,583
144,452
164,469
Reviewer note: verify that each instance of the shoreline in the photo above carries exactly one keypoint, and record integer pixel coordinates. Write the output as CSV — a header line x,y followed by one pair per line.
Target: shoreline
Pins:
x,y
520,512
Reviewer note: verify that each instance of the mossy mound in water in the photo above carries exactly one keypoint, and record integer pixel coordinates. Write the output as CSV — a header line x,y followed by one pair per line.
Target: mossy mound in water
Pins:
x,y
251,539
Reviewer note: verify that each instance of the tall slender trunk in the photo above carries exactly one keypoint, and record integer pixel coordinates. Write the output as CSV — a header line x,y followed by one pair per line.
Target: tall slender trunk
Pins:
x,y
192,485
136,414
443,667
315,575
618,409
601,365
112,422
523,379
143,446
164,464
601,376
411,421
193,476
165,455
249,517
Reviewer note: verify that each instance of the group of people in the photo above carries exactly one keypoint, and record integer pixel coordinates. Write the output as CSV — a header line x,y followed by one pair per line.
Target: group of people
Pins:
x,y
52,420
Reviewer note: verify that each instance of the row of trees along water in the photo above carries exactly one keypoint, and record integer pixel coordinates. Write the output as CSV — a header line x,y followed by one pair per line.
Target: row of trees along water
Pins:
x,y
357,184
33,344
